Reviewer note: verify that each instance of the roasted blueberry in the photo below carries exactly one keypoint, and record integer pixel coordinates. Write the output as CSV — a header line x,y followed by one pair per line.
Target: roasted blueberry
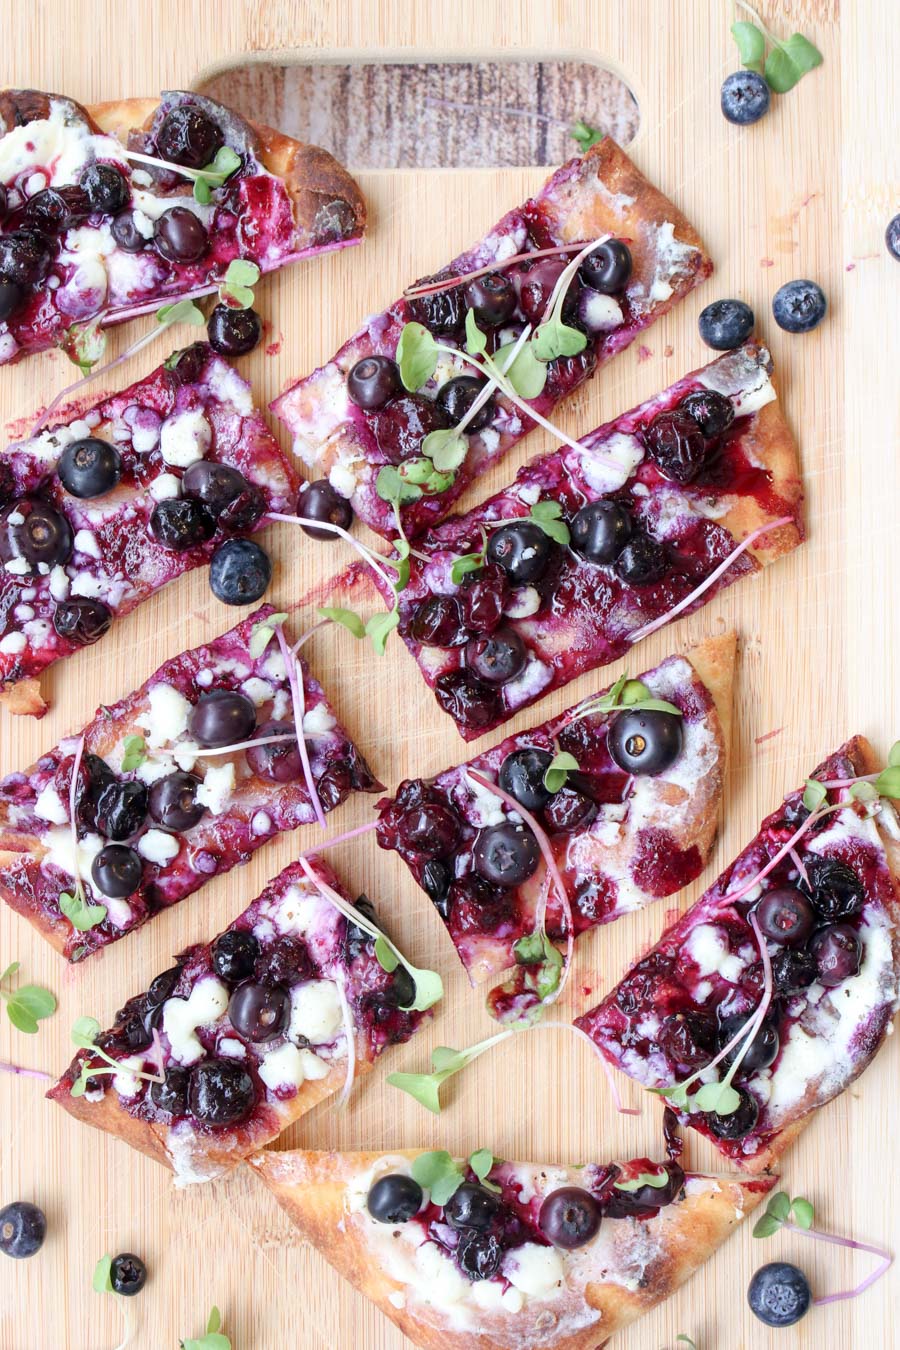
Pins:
x,y
725,324
106,188
739,1123
429,830
121,809
493,298
438,622
646,1199
173,801
259,1012
799,306
220,1092
456,397
89,468
180,236
126,233
233,332
838,953
745,97
779,1294
441,312
53,210
608,268
642,561
234,955
483,595
187,136
82,621
785,916
222,717
837,891
600,530
506,854
522,776
479,1255
11,297
645,742
687,1039
320,501
536,287
713,412
23,1228
436,881
116,871
127,1274
570,1217
676,445
522,550
239,572
279,761
373,382
471,1206
163,986
394,1199
468,701
763,1049
170,1096
24,257
215,485
180,523
793,971
569,810
498,657
402,425
34,532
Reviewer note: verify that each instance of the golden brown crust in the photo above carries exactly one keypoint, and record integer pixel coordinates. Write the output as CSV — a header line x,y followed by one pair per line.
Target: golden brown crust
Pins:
x,y
25,699
311,1188
313,177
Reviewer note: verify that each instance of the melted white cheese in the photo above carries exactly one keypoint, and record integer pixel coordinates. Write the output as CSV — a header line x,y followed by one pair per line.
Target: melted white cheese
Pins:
x,y
315,1012
208,1001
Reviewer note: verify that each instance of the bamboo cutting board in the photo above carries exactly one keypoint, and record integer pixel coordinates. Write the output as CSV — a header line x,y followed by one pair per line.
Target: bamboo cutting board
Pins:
x,y
805,193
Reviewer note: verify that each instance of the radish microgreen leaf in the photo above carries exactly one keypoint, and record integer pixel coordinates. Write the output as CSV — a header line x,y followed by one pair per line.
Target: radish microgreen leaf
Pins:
x,y
814,794
445,1062
101,1282
346,618
526,373
27,1005
476,342
625,693
215,1338
787,62
481,1162
79,911
781,1209
182,311
558,770
85,344
751,44
439,1174
134,752
446,448
262,633
584,135
417,356
213,175
236,289
655,1179
385,955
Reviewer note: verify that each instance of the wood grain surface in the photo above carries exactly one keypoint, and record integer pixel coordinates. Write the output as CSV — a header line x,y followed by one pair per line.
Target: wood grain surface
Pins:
x,y
805,193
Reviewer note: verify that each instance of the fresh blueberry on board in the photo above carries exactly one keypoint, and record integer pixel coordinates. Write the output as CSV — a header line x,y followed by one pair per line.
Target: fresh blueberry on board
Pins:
x,y
23,1228
745,97
799,306
891,238
127,1274
725,324
239,572
779,1294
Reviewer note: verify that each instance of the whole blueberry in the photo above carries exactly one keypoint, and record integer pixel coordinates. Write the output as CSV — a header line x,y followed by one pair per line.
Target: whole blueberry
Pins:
x,y
220,1092
121,809
468,701
117,870
786,916
126,233
394,1198
106,188
600,530
456,397
523,550
471,1206
438,622
89,467
23,1228
234,955
676,445
496,658
522,776
570,1217
608,268
173,801
892,237
239,572
127,1274
320,501
643,560
838,953
506,854
799,306
725,324
779,1294
645,742
82,621
740,1122
763,1049
837,892
373,382
492,297
215,485
745,97
180,523
188,136
180,236
712,411
222,717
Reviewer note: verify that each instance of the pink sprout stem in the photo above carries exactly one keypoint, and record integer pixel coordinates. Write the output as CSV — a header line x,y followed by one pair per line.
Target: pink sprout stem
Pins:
x,y
565,277
21,1072
366,554
445,283
800,866
887,1260
349,1037
607,1068
94,374
73,808
785,849
298,698
836,783
547,850
315,849
711,580
245,745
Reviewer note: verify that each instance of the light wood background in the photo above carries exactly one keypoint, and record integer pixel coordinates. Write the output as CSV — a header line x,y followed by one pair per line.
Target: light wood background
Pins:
x,y
805,193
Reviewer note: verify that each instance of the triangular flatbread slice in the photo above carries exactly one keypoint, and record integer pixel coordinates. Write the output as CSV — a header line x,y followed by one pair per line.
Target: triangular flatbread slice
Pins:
x,y
537,1295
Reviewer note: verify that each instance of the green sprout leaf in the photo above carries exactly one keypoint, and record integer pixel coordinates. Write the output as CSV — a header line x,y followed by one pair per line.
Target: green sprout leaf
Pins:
x,y
780,1209
380,627
422,473
237,284
182,311
554,338
445,1062
214,1339
85,1031
655,1179
584,135
814,794
686,1340
134,753
719,1097
894,756
639,700
101,1282
888,782
476,342
468,562
789,61
481,1162
766,1226
215,173
779,1206
261,634
27,1005
446,449
527,374
864,792
558,770
803,1213
676,1095
80,913
346,618
547,516
385,955
85,344
438,1173
392,489
417,356
751,44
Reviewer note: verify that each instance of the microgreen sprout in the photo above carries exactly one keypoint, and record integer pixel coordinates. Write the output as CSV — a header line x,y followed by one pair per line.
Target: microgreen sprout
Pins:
x,y
340,985
101,1283
134,753
85,1031
294,673
625,693
74,904
212,175
262,632
429,986
441,1175
449,282
585,135
236,289
553,337
28,1004
686,1340
182,311
786,63
656,1180
215,1338
547,515
797,1216
85,344
558,770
